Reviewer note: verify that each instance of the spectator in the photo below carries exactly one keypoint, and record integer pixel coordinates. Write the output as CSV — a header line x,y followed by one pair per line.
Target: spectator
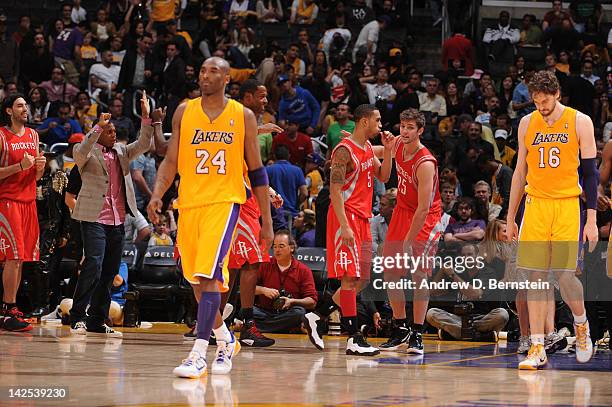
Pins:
x,y
501,38
506,154
104,76
160,235
448,197
292,59
582,11
493,109
319,88
102,29
78,14
381,91
36,64
303,12
551,65
335,41
343,122
489,318
298,144
579,93
553,18
587,72
22,29
285,288
57,88
240,9
66,16
304,226
406,98
172,72
379,224
269,11
297,105
499,177
522,103
137,67
465,229
67,52
458,50
430,101
367,41
482,191
9,49
119,120
39,105
58,129
359,15
162,11
531,34
288,180
563,37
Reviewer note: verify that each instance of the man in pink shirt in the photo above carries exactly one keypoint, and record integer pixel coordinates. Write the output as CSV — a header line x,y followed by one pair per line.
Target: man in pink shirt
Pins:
x,y
106,196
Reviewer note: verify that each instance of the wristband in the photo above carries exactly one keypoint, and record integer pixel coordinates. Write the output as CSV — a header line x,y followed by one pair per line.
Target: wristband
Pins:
x,y
154,123
258,177
98,129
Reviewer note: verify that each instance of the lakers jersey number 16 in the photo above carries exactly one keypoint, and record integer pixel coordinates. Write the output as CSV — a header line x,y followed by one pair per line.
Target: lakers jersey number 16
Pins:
x,y
211,156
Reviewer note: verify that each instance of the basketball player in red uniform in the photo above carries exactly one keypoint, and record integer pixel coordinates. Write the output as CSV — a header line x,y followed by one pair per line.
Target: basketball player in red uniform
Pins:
x,y
21,165
414,228
349,240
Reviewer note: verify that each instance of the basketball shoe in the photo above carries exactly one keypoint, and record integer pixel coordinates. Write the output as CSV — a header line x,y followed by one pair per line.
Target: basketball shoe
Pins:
x,y
536,358
524,345
314,325
11,319
415,343
193,367
398,340
357,345
554,342
104,330
584,345
225,352
250,336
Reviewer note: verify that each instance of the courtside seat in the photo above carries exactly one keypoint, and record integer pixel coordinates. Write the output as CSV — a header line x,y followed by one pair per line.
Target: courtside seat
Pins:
x,y
314,258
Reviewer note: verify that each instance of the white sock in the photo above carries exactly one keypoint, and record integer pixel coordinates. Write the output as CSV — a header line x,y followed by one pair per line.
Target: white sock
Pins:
x,y
200,346
537,339
580,319
222,333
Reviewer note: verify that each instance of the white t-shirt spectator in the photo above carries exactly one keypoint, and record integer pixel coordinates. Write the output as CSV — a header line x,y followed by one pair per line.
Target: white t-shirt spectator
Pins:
x,y
369,32
384,91
493,34
326,41
108,75
301,20
435,105
78,15
236,7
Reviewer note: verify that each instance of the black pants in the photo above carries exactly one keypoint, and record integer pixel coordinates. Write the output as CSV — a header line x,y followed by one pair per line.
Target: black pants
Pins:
x,y
103,245
270,321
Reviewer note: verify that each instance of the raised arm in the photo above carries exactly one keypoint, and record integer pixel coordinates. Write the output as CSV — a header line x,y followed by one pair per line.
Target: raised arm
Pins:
x,y
519,180
258,176
168,168
82,151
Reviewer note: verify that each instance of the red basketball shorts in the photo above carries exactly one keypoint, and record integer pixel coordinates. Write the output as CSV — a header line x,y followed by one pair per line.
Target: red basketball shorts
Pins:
x,y
424,246
354,261
246,247
18,230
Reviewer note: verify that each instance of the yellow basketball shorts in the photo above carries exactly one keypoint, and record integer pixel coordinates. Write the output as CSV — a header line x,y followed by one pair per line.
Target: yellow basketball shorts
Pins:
x,y
204,238
550,234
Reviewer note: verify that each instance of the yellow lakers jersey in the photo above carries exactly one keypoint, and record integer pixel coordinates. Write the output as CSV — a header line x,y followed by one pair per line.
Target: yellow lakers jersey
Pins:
x,y
211,156
553,156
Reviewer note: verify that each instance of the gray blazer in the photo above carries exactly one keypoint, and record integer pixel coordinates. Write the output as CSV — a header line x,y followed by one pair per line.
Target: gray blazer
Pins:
x,y
88,156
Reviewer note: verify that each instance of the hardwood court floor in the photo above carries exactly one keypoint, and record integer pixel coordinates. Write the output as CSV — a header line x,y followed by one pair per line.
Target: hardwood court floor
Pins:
x,y
137,371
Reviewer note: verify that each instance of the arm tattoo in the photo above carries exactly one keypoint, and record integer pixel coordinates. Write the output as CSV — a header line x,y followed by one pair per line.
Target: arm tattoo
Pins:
x,y
339,166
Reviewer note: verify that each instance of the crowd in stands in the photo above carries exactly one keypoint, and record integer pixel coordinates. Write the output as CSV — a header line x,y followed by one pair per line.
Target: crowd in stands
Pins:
x,y
76,63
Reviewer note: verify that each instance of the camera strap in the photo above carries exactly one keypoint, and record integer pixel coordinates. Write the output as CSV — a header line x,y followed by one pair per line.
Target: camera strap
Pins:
x,y
282,276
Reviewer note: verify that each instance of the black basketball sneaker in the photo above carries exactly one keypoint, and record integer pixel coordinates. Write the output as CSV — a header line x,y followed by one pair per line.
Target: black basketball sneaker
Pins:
x,y
398,340
357,345
250,336
415,343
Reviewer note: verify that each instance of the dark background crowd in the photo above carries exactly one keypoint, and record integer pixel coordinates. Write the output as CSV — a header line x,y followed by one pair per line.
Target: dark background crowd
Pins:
x,y
319,60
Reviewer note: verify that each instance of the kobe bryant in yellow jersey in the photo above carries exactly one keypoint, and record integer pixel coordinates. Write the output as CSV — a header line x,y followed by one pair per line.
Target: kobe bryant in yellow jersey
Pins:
x,y
554,142
212,138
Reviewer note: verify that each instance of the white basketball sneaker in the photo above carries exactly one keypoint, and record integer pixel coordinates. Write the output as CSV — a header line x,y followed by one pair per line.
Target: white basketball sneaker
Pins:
x,y
584,345
225,352
193,367
536,358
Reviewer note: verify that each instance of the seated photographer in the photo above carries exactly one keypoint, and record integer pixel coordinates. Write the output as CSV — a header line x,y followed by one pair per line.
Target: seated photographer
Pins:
x,y
485,312
285,288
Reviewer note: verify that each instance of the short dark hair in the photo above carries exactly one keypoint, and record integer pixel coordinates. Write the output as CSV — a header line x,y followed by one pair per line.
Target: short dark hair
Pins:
x,y
63,105
281,152
249,86
286,232
362,111
413,115
544,82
